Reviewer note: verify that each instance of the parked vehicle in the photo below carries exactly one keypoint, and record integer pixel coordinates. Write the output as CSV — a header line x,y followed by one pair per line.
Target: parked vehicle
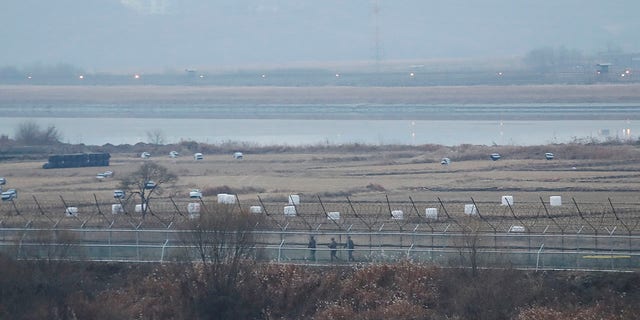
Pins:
x,y
9,195
118,194
195,194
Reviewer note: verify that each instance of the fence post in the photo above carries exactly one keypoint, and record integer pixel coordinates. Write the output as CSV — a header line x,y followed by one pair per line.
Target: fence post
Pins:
x,y
280,250
110,248
138,244
538,257
409,251
163,247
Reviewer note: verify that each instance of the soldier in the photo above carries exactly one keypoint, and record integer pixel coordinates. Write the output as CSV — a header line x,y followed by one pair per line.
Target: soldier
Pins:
x,y
349,246
312,248
334,249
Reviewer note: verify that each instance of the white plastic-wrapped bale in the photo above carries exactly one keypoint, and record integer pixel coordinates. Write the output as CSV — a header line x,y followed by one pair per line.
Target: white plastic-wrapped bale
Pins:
x,y
71,211
507,200
116,208
333,215
518,229
193,207
431,213
226,198
397,214
289,210
230,199
555,201
294,199
255,209
470,209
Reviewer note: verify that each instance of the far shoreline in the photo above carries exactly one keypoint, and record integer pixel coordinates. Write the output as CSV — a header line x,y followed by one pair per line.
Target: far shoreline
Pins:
x,y
523,102
337,95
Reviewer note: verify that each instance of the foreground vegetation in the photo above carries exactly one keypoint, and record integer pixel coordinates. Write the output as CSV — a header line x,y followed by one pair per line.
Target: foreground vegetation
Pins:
x,y
62,290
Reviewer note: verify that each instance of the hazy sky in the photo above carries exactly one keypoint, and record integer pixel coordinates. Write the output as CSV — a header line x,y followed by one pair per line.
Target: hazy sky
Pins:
x,y
103,35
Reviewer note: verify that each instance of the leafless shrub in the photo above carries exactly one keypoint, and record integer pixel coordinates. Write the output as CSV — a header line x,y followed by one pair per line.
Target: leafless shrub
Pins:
x,y
212,191
222,241
336,194
156,137
30,133
375,187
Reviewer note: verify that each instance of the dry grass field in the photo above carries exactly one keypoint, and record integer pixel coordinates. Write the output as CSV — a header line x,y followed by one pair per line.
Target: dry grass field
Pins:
x,y
361,175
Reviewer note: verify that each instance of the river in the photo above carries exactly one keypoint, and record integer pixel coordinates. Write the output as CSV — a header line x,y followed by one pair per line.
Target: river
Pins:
x,y
122,130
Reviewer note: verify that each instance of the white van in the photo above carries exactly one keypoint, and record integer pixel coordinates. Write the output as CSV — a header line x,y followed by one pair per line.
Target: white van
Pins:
x,y
195,194
198,156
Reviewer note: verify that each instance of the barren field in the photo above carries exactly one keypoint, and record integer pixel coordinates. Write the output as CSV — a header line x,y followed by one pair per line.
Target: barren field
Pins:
x,y
363,176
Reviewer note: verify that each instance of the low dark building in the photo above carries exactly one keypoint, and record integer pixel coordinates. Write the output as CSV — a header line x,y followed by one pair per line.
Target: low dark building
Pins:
x,y
77,160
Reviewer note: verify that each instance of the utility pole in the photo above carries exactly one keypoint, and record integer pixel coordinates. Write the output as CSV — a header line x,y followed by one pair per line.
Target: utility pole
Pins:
x,y
376,37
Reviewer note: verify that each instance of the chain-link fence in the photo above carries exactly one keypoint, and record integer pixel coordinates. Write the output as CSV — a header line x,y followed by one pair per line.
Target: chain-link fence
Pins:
x,y
543,235
531,251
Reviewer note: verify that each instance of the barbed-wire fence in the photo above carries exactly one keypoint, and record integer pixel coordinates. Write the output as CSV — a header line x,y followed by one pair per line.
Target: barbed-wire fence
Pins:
x,y
544,234
543,217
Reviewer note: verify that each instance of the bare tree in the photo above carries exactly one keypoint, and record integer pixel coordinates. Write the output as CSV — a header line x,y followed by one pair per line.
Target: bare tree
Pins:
x,y
146,182
469,243
156,136
29,132
223,236
223,244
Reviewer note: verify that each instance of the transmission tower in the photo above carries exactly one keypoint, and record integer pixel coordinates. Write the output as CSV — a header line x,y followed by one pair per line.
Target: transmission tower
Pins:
x,y
376,36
